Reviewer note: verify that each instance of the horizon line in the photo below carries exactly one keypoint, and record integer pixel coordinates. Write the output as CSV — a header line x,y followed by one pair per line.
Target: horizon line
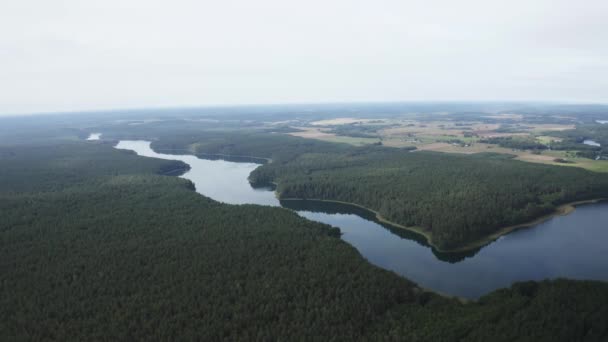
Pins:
x,y
296,104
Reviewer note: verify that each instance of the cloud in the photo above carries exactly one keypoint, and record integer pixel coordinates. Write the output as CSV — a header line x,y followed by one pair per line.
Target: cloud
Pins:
x,y
72,55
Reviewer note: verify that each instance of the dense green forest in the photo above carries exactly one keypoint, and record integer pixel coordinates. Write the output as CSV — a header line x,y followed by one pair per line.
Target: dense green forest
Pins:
x,y
458,199
596,132
569,140
518,144
97,244
570,143
360,131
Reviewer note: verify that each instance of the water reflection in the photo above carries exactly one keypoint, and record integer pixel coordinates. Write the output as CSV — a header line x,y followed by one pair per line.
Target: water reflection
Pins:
x,y
94,136
571,246
222,180
333,208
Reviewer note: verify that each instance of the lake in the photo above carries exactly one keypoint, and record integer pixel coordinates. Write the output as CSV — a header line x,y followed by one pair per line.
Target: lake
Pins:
x,y
591,143
94,136
572,246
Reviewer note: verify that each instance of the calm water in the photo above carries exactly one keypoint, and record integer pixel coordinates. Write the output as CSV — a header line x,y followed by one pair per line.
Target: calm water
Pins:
x,y
572,246
221,180
591,143
94,136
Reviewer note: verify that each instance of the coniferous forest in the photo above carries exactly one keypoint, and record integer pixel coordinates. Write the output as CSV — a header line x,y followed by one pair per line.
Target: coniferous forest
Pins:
x,y
100,244
458,199
304,171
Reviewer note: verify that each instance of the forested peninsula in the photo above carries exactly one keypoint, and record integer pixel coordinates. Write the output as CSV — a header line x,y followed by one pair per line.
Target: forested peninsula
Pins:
x,y
454,200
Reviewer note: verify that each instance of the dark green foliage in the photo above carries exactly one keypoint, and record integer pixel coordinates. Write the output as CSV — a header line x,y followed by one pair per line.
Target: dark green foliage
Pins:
x,y
567,145
563,161
574,138
277,147
454,141
517,144
596,132
457,198
357,130
590,155
96,245
58,166
549,311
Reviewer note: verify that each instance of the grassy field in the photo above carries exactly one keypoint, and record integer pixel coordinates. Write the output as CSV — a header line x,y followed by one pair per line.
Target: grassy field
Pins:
x,y
340,121
546,157
457,137
549,157
322,134
546,139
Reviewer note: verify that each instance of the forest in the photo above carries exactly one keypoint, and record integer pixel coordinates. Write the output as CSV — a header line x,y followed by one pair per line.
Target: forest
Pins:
x,y
98,244
519,144
455,199
596,132
458,199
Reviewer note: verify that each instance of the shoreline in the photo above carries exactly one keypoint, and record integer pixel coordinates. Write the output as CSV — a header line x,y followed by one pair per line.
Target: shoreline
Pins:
x,y
197,153
268,160
379,217
561,210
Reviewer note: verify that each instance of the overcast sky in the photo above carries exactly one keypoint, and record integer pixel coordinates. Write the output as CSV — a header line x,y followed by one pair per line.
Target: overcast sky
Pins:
x,y
78,54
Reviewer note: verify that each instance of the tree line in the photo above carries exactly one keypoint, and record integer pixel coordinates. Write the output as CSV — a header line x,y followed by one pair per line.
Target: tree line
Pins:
x,y
458,199
95,244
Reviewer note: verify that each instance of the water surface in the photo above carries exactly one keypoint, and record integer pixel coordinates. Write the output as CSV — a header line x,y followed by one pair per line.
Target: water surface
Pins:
x,y
94,136
591,143
222,180
572,246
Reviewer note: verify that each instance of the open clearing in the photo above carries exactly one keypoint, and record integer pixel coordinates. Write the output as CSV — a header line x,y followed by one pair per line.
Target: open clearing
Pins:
x,y
504,116
321,134
341,121
450,136
312,133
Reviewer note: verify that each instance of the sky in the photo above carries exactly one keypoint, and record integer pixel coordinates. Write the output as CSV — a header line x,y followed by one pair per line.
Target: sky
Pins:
x,y
72,55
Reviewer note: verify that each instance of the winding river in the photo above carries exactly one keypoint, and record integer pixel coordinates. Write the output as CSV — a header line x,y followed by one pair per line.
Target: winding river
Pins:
x,y
573,246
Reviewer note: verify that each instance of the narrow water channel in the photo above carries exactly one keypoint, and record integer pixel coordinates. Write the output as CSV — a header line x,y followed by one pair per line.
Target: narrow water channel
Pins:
x,y
573,246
